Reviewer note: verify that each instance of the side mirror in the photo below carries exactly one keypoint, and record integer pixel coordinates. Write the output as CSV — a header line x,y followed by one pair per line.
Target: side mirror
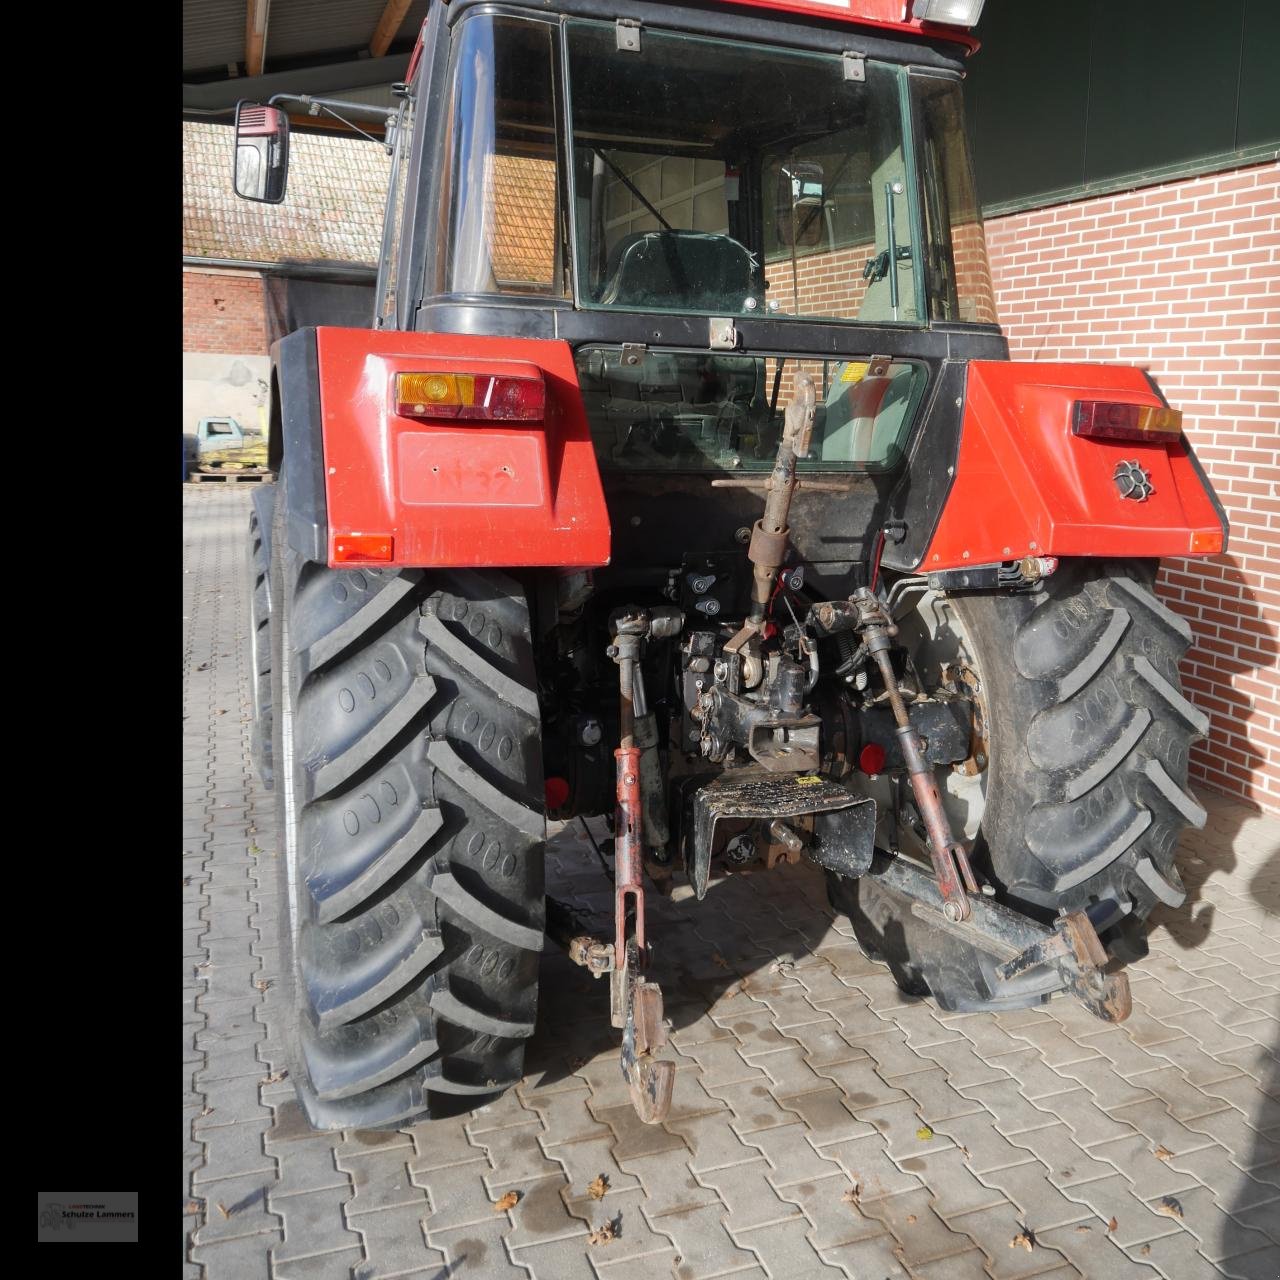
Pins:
x,y
262,153
799,205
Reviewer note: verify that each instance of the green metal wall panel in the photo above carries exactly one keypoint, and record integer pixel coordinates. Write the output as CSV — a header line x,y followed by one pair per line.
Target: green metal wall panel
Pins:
x,y
1028,98
1163,83
1260,75
1067,99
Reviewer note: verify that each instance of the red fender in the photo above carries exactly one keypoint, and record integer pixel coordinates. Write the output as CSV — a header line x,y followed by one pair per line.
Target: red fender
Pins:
x,y
1026,485
449,494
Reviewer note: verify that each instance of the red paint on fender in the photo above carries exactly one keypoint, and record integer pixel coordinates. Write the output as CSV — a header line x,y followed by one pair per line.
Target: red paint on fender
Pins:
x,y
455,495
1025,485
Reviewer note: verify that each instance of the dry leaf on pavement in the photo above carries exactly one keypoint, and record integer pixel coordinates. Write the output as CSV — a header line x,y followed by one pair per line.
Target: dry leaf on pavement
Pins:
x,y
1163,1153
602,1234
1111,1226
597,1188
509,1201
1168,1206
1025,1239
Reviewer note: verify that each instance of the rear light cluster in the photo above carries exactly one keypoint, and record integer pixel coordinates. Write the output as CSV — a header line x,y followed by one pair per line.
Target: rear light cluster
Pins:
x,y
468,397
1104,420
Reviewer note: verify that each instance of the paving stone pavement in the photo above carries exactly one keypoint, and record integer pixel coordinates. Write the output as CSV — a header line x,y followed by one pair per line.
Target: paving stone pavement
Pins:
x,y
823,1124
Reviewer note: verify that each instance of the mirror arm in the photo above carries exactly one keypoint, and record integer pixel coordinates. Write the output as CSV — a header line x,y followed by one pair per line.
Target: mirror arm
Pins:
x,y
316,105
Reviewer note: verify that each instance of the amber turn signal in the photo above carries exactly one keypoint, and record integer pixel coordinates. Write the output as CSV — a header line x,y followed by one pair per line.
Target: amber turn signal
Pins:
x,y
1105,420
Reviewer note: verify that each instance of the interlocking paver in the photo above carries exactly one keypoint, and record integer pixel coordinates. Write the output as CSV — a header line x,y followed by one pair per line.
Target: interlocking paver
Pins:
x,y
784,1250
460,1197
994,1230
393,1242
924,1236
234,1207
1067,1162
380,1180
336,1264
867,1165
243,1258
712,1141
477,1249
516,1155
794,1078
957,1266
965,1067
541,1213
1262,1264
1152,1119
749,1196
313,1223
875,1256
1136,1158
232,1150
827,1117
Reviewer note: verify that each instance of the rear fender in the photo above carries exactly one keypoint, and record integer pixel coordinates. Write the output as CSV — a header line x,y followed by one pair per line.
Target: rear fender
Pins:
x,y
450,495
1026,485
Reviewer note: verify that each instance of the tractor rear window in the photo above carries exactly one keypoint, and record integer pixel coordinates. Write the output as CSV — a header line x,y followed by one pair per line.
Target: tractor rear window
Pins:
x,y
695,411
728,178
705,176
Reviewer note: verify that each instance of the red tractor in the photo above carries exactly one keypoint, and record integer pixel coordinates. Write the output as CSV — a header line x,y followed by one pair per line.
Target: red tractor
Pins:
x,y
683,478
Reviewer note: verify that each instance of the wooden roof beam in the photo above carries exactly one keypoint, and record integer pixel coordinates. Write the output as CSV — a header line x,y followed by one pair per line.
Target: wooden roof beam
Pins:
x,y
393,15
255,36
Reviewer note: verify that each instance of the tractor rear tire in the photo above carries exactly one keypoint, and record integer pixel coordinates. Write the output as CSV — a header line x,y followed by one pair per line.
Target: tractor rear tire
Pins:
x,y
410,811
1086,796
259,576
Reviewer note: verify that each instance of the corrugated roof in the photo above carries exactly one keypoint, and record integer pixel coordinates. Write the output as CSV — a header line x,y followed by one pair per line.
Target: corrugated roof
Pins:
x,y
332,213
212,33
302,26
213,30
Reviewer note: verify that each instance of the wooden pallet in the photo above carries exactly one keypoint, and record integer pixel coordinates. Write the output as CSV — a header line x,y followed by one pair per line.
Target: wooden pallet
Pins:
x,y
261,474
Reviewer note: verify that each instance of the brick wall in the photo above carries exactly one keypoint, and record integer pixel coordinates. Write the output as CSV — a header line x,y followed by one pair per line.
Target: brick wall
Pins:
x,y
1183,279
223,312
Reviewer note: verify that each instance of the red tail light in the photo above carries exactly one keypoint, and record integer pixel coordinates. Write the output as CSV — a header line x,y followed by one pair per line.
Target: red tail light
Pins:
x,y
1104,420
479,397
